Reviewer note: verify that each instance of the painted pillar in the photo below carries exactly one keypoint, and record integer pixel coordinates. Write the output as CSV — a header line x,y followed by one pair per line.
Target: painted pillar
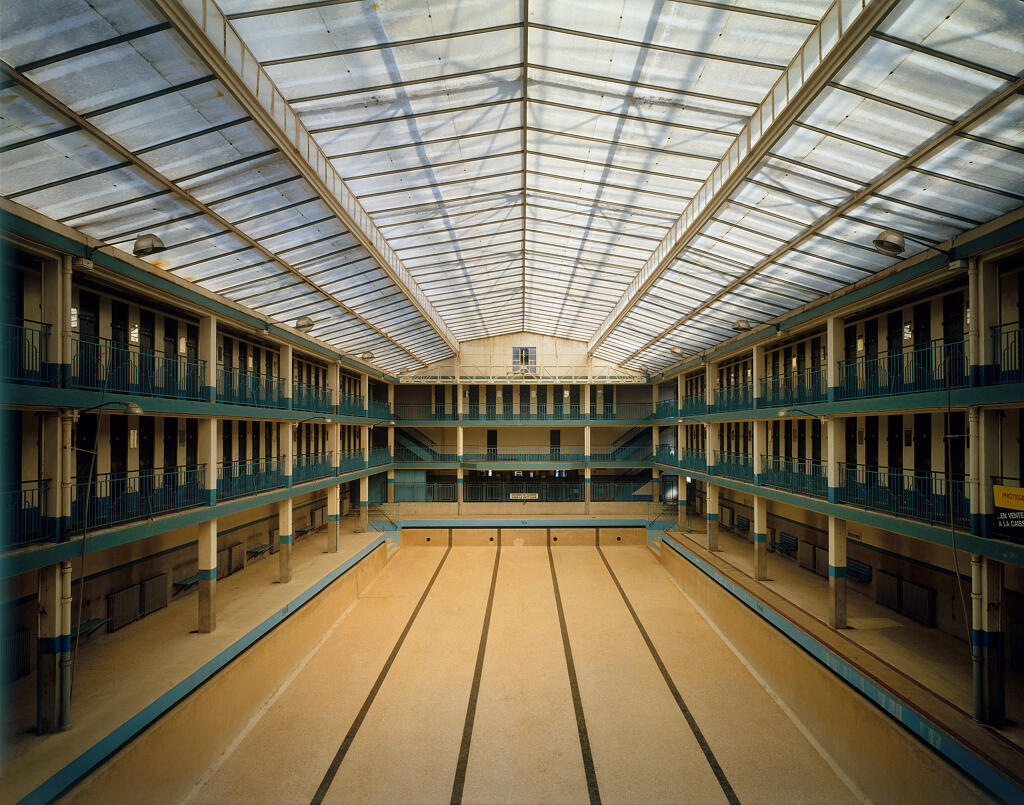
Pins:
x,y
758,378
836,572
208,353
364,442
711,431
835,450
712,516
65,645
287,451
993,642
50,648
52,458
654,398
833,354
67,468
655,485
987,442
286,370
333,518
760,538
586,488
459,442
984,303
284,539
208,457
334,385
587,476
364,503
585,400
207,576
52,356
459,486
760,447
458,400
710,386
364,392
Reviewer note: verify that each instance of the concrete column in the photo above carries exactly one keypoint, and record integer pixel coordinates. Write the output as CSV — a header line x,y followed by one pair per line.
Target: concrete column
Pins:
x,y
760,446
207,576
287,451
681,502
391,398
50,648
208,456
760,538
67,469
655,486
833,354
655,439
585,400
334,384
710,384
64,377
285,536
586,442
993,643
364,442
55,357
459,441
984,302
364,392
757,363
711,431
586,488
65,645
459,483
364,503
984,440
51,469
458,400
208,353
391,486
835,450
836,572
285,369
654,398
333,518
711,514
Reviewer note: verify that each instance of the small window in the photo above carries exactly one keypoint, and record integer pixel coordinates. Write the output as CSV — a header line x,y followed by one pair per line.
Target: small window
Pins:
x,y
524,360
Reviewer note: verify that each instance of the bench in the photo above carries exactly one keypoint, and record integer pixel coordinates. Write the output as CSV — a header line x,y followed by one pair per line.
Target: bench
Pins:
x,y
259,550
88,627
742,524
185,583
858,571
786,543
301,532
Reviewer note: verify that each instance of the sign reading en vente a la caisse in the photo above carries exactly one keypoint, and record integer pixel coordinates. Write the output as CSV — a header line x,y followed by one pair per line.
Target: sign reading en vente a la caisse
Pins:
x,y
1009,512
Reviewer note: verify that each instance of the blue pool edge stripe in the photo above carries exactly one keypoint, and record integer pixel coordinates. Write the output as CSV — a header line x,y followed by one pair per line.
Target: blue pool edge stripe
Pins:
x,y
62,780
937,738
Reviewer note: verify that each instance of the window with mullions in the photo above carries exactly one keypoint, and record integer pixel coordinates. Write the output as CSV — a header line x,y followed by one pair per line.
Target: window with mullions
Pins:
x,y
524,360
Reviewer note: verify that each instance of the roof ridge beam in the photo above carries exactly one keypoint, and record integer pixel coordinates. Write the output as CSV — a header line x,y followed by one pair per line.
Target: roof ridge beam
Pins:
x,y
782,105
204,27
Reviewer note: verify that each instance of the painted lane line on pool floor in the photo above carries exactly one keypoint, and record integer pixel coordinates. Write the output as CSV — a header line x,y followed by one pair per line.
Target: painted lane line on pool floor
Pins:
x,y
350,736
690,720
574,685
474,693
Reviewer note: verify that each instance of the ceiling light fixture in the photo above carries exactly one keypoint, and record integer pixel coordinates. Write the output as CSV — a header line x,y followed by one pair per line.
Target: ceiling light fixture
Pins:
x,y
304,324
147,244
742,325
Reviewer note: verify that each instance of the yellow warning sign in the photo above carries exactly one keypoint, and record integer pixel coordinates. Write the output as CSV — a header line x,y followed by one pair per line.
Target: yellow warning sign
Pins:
x,y
1009,497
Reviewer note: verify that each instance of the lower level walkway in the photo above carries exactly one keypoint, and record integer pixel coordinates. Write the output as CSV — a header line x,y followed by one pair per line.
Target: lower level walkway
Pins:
x,y
522,674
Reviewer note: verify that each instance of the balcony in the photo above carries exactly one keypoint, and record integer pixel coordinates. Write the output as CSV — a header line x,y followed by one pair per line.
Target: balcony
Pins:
x,y
1009,347
435,454
24,514
685,459
523,492
738,466
424,411
236,479
934,366
620,492
524,455
311,398
932,497
507,413
426,493
734,398
311,466
693,406
630,456
801,475
351,460
350,405
24,350
246,388
122,497
379,456
379,410
799,388
104,365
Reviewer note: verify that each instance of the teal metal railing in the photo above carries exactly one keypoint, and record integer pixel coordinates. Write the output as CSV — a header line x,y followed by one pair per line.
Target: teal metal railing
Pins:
x,y
350,405
238,387
379,410
525,454
104,364
801,475
739,466
24,351
924,496
684,459
24,514
351,460
507,413
122,497
523,492
734,398
435,454
693,406
410,411
629,455
798,388
426,493
310,466
311,398
379,455
620,492
1009,347
932,366
238,478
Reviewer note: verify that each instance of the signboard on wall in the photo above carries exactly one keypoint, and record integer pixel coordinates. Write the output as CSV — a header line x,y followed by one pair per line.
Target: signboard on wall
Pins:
x,y
1009,512
523,495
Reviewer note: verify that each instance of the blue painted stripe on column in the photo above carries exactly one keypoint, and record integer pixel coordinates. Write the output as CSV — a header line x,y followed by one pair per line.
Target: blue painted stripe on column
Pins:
x,y
210,393
978,638
211,496
941,741
364,504
459,480
207,574
55,645
587,480
712,516
391,480
333,518
760,537
285,539
837,572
